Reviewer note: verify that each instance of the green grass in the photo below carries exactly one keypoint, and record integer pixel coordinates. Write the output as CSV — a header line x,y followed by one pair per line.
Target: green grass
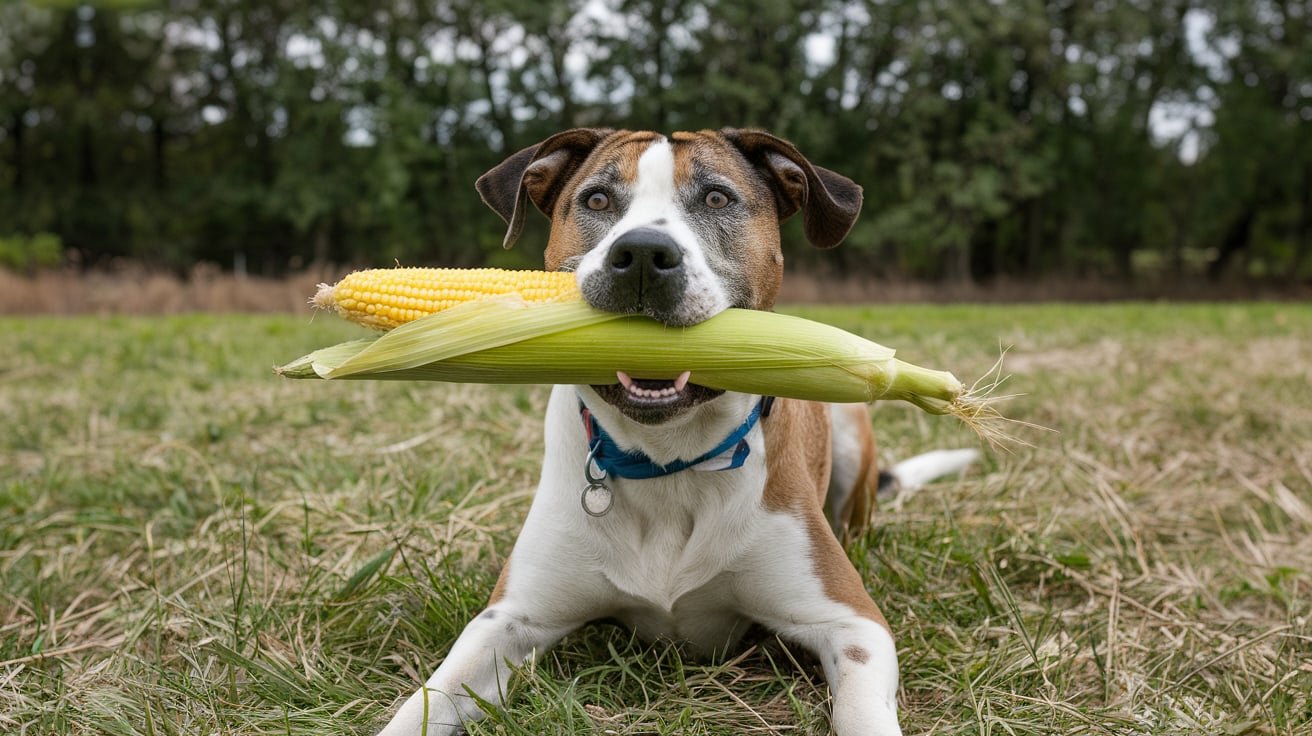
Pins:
x,y
189,545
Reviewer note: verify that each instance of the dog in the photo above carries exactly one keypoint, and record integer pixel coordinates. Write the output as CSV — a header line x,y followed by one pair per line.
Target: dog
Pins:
x,y
687,513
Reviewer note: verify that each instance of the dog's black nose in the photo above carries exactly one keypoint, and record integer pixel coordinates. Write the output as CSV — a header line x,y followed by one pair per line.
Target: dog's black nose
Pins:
x,y
643,273
645,253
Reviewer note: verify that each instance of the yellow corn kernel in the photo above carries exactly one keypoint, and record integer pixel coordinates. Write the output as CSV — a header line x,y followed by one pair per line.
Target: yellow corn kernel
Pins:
x,y
384,298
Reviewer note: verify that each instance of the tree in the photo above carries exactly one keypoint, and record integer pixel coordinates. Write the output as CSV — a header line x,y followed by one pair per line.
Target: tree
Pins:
x,y
1012,138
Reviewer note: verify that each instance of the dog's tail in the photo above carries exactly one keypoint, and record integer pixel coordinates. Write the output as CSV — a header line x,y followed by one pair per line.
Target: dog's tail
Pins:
x,y
912,474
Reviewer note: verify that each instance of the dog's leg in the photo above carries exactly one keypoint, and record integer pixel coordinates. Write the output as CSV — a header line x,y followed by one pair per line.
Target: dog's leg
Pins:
x,y
549,587
854,473
538,600
860,664
804,588
501,636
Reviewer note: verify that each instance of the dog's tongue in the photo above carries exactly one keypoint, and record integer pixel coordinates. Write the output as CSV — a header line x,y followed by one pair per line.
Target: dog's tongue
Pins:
x,y
679,383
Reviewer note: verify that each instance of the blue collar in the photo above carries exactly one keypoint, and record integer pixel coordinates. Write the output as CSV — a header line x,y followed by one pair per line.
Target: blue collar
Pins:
x,y
636,465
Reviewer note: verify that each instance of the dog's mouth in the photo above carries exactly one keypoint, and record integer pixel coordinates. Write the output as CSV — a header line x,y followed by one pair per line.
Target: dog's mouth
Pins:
x,y
652,401
646,390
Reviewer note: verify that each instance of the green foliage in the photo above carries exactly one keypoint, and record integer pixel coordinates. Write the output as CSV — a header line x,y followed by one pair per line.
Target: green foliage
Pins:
x,y
1019,137
28,252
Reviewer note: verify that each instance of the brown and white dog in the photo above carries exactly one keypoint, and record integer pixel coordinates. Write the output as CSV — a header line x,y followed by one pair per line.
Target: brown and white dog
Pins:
x,y
680,228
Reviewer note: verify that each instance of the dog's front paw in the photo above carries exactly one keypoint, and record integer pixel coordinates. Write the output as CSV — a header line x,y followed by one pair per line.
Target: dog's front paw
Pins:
x,y
866,720
416,727
439,716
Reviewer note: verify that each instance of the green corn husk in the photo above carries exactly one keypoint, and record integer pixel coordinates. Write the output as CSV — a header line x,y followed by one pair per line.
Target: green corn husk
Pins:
x,y
504,340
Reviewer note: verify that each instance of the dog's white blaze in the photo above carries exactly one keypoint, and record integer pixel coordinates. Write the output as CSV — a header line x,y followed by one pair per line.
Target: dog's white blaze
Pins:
x,y
654,192
655,196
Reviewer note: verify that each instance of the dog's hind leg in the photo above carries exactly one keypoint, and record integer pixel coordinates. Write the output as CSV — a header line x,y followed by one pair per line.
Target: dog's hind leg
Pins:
x,y
910,475
854,473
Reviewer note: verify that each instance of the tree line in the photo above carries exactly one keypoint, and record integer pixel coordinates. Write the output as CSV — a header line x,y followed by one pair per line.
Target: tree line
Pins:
x,y
1018,138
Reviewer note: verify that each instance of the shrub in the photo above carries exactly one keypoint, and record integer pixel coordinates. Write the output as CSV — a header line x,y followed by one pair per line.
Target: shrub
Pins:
x,y
20,252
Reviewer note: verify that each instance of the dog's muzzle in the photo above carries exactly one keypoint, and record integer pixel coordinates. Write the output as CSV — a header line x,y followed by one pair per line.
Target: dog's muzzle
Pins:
x,y
643,274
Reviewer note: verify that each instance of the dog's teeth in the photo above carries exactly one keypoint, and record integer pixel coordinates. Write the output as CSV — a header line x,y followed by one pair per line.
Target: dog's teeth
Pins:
x,y
638,392
682,381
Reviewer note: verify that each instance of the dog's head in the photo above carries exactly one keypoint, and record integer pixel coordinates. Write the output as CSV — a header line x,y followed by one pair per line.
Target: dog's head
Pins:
x,y
678,228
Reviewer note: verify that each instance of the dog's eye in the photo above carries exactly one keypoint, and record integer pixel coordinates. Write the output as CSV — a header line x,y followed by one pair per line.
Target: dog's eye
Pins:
x,y
716,199
598,201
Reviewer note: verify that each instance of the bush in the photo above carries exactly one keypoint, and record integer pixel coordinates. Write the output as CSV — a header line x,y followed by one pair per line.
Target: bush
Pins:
x,y
29,252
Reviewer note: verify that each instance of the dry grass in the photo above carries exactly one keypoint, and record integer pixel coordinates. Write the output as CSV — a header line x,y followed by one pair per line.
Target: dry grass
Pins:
x,y
842,288
131,289
188,545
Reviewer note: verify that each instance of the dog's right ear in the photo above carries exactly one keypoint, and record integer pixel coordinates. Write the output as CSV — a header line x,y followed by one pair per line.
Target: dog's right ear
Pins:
x,y
538,173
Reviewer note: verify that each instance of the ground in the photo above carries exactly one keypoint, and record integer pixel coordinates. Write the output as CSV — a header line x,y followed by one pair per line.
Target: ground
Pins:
x,y
191,545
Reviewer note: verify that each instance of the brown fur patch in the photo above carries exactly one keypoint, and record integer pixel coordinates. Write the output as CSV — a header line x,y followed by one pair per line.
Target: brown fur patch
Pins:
x,y
499,590
626,150
857,654
797,447
797,455
566,242
687,148
763,258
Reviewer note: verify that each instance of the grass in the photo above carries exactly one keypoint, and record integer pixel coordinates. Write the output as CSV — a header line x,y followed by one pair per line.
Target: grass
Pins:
x,y
190,545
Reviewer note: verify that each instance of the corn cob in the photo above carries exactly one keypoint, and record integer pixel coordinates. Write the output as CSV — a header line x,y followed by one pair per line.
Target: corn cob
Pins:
x,y
518,340
384,298
801,360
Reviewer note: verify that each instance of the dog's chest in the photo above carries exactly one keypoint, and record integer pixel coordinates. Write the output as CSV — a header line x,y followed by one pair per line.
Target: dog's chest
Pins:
x,y
667,542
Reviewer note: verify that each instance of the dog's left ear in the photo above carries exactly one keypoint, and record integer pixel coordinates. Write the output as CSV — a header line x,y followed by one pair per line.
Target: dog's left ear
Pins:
x,y
829,201
537,173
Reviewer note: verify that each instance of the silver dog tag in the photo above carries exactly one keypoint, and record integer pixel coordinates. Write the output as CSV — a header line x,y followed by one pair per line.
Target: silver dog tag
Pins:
x,y
597,499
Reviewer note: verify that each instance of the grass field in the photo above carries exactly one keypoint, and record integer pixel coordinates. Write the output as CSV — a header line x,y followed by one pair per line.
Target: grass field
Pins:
x,y
189,545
